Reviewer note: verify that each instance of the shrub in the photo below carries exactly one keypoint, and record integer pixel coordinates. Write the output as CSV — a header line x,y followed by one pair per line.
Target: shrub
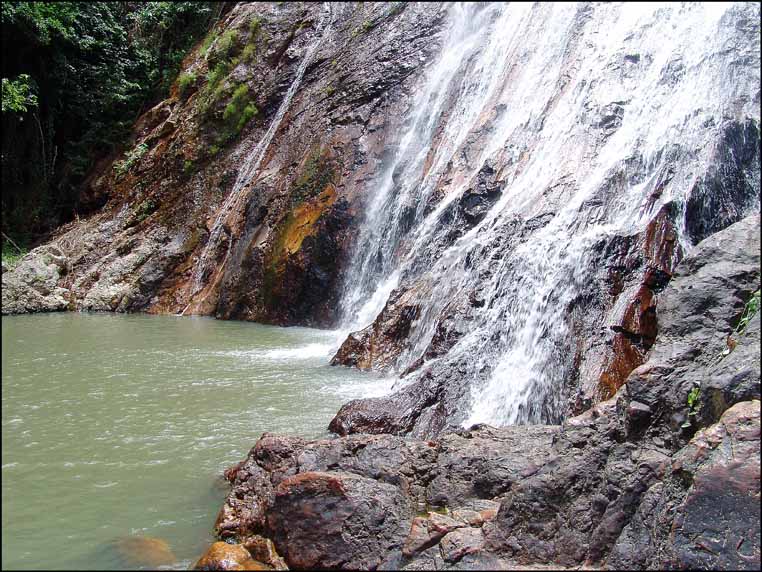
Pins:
x,y
131,158
248,52
185,82
749,311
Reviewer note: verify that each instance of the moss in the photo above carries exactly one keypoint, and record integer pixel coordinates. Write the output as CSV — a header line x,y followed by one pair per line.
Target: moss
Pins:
x,y
185,82
188,166
142,212
238,112
318,171
249,52
208,40
226,47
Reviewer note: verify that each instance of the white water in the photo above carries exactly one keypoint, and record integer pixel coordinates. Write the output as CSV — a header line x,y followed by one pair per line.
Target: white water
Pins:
x,y
250,167
553,69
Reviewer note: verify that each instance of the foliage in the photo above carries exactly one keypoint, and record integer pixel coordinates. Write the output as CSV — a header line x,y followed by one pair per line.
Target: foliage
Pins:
x,y
131,158
12,254
238,112
18,94
145,209
185,82
749,311
693,405
91,68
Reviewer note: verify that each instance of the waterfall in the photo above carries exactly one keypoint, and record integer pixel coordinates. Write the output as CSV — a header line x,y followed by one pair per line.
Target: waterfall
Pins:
x,y
251,163
573,113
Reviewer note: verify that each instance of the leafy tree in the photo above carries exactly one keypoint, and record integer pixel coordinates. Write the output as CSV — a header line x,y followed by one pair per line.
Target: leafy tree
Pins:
x,y
75,76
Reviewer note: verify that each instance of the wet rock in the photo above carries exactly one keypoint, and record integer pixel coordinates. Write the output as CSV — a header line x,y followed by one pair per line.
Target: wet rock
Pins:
x,y
143,551
263,550
730,186
224,556
378,345
396,414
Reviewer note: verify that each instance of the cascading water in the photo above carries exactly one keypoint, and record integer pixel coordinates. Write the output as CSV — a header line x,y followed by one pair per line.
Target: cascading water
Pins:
x,y
250,167
574,113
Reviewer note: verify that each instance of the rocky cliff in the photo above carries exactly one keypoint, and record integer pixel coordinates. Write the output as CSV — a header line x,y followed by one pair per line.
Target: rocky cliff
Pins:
x,y
304,99
537,217
649,479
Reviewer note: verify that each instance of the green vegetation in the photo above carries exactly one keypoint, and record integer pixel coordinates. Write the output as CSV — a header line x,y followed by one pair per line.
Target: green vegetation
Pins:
x,y
238,112
142,212
12,253
75,76
18,94
749,311
185,82
240,107
131,158
693,405
318,171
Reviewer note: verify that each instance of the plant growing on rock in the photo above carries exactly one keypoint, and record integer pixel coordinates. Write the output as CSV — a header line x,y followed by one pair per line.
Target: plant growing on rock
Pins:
x,y
693,405
185,82
131,159
749,311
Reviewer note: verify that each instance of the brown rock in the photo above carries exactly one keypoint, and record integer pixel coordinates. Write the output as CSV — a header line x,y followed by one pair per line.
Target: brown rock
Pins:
x,y
224,556
337,520
458,543
263,550
427,530
144,551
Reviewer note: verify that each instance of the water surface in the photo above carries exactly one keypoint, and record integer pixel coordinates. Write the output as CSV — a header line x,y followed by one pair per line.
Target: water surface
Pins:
x,y
120,425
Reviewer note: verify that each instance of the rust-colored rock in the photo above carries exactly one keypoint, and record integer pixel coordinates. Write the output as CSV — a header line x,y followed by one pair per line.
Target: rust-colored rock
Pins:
x,y
224,556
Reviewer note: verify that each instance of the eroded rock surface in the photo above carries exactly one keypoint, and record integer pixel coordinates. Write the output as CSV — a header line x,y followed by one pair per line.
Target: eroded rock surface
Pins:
x,y
644,479
283,243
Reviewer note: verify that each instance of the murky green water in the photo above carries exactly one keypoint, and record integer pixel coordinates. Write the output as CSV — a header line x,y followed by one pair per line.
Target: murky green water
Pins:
x,y
117,425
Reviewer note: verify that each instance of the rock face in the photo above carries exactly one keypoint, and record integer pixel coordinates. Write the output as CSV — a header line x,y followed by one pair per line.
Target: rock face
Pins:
x,y
281,247
32,285
646,479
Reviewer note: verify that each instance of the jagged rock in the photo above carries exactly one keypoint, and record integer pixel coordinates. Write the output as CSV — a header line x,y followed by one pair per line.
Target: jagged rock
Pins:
x,y
379,345
427,531
619,486
32,285
705,513
697,312
263,550
458,543
337,520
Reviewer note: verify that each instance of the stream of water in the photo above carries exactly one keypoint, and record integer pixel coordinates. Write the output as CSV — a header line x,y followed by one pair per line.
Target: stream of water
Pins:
x,y
119,426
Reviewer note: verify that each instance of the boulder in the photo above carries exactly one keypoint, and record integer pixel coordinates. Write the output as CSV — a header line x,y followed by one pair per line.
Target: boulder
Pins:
x,y
143,551
337,520
224,556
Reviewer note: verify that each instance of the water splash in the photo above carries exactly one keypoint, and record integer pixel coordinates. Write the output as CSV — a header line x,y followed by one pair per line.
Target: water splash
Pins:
x,y
576,112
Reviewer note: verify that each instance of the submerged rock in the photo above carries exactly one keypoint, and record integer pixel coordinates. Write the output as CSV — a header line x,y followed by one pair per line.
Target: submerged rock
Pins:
x,y
143,551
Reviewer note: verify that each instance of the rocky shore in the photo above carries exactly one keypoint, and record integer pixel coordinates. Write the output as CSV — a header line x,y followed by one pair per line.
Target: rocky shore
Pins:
x,y
646,479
